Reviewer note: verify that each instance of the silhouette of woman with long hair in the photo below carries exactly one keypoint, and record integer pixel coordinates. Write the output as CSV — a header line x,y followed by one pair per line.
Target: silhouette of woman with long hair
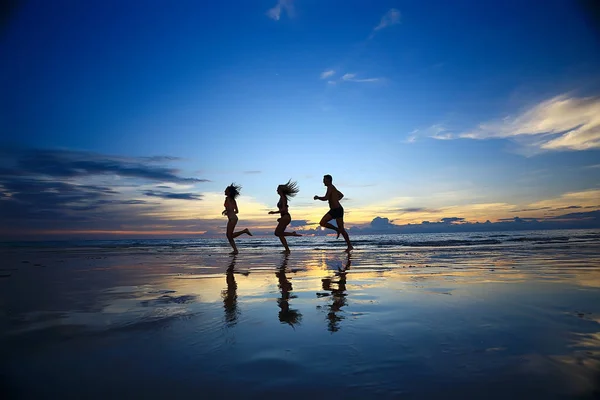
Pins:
x,y
285,191
231,209
286,314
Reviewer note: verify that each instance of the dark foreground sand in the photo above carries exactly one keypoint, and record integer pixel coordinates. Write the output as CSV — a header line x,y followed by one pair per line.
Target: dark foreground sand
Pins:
x,y
135,324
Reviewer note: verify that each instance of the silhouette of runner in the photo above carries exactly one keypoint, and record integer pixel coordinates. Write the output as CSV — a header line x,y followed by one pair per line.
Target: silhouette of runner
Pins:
x,y
285,191
336,211
231,209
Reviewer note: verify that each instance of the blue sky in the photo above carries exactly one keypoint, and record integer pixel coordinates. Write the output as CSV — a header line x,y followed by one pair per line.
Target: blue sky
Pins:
x,y
467,109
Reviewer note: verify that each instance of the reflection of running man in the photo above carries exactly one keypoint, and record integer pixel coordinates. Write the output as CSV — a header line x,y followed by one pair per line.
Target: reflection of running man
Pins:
x,y
336,211
335,314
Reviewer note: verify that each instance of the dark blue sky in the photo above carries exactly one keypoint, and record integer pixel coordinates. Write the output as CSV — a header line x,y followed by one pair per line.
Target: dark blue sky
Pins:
x,y
458,106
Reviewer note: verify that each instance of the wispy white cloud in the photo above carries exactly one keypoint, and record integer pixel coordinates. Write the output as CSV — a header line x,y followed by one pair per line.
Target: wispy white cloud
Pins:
x,y
392,17
439,132
443,136
281,6
560,123
353,78
327,74
412,137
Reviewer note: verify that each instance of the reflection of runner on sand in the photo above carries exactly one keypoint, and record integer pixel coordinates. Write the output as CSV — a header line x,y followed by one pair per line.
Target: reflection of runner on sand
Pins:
x,y
230,295
338,294
286,315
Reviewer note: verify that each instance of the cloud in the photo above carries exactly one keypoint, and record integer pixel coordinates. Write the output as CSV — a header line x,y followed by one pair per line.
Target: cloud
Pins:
x,y
173,195
586,215
412,137
435,131
569,208
581,220
380,223
33,201
300,222
71,164
327,74
439,132
559,123
533,209
282,5
65,189
582,198
353,78
443,136
392,17
450,220
409,210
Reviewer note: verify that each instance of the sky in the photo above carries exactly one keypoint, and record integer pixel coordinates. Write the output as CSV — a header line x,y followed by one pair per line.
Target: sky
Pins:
x,y
130,118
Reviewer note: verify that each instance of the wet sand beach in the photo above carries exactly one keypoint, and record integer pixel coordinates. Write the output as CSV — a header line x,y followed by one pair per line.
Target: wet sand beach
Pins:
x,y
516,319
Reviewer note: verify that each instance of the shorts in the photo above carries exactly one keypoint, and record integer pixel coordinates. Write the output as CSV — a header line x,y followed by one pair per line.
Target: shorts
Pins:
x,y
337,212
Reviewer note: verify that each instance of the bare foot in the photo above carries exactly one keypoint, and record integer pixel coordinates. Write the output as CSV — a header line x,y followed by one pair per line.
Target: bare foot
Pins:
x,y
296,234
248,232
285,252
349,249
234,252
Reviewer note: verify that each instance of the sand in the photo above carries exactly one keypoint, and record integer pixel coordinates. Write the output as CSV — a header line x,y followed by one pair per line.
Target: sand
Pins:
x,y
204,324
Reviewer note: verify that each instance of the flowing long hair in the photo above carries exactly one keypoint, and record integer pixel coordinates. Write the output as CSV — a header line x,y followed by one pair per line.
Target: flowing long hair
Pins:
x,y
234,191
289,189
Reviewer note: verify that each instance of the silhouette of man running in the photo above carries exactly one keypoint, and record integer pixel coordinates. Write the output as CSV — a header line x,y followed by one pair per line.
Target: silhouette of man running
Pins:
x,y
336,211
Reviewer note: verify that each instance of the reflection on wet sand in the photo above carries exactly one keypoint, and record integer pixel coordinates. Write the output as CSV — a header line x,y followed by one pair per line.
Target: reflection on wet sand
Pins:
x,y
532,325
338,294
230,295
286,315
